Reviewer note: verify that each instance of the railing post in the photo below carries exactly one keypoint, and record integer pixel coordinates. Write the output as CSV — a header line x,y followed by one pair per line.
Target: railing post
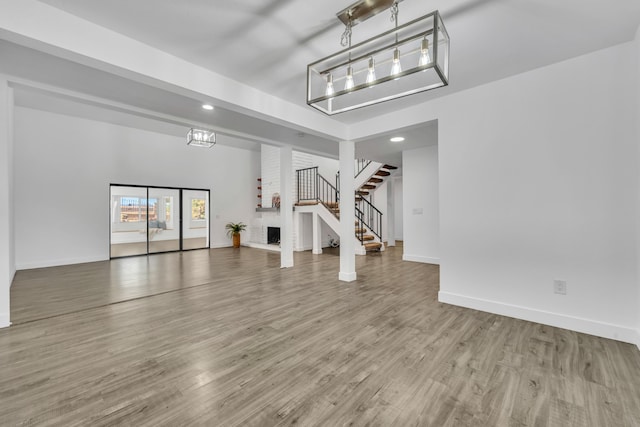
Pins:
x,y
317,181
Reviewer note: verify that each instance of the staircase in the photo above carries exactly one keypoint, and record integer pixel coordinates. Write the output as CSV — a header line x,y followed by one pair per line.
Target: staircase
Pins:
x,y
314,189
364,206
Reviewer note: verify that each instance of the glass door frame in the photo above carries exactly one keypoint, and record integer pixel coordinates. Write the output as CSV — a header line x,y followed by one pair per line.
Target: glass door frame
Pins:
x,y
180,216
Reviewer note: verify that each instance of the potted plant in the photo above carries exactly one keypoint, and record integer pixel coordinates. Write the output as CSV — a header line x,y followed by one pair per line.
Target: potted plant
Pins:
x,y
234,230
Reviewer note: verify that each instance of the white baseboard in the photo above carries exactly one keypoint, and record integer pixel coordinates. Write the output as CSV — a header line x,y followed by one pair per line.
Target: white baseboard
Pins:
x,y
222,245
587,326
273,248
58,262
422,259
4,320
347,277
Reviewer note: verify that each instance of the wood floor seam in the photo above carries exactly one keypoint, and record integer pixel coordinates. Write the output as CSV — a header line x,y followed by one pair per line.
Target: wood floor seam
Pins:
x,y
19,323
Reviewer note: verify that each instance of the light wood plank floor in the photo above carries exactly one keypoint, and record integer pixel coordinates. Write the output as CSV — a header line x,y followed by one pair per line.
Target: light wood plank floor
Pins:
x,y
224,337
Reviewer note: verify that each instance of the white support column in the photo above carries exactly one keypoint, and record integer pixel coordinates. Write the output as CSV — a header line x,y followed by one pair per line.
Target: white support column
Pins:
x,y
7,268
391,212
317,234
347,212
286,207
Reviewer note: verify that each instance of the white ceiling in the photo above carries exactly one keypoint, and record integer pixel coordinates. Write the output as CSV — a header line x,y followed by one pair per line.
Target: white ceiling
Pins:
x,y
268,44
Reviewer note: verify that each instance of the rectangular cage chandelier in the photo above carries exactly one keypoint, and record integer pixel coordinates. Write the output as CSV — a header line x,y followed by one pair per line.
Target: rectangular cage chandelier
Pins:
x,y
201,138
403,61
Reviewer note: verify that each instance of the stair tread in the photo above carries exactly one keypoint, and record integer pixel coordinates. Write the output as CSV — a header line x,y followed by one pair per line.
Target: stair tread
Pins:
x,y
363,193
361,230
368,237
372,246
307,203
383,173
390,167
376,180
368,186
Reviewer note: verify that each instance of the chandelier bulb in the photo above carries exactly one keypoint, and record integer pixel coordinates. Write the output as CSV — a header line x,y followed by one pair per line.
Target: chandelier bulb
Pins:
x,y
329,91
371,74
425,58
396,67
349,83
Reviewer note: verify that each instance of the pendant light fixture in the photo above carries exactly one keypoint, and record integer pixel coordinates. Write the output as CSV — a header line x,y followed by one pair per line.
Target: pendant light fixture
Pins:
x,y
201,138
421,45
396,65
329,90
348,82
371,73
425,58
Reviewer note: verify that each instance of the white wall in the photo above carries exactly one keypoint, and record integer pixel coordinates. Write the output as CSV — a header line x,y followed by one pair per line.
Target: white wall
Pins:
x,y
7,267
539,182
637,73
10,150
63,168
421,205
327,167
398,196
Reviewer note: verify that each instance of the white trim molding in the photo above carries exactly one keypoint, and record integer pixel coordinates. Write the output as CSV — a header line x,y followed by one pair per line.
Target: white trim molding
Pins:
x,y
59,262
4,320
347,277
422,259
263,246
577,324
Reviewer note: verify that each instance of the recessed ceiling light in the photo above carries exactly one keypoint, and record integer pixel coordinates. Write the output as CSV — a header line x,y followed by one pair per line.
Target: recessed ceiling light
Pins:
x,y
207,107
397,139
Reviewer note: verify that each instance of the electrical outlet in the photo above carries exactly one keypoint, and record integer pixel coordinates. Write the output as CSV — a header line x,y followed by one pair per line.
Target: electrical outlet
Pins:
x,y
560,287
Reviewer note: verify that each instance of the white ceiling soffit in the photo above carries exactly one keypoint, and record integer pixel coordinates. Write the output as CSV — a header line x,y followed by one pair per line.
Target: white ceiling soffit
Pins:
x,y
55,77
381,149
30,97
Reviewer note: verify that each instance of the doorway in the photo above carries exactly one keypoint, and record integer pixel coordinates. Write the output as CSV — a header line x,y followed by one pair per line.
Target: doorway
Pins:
x,y
149,220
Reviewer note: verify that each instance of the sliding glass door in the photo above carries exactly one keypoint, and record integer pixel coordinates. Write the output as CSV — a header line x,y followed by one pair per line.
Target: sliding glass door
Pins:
x,y
147,220
195,219
128,221
164,222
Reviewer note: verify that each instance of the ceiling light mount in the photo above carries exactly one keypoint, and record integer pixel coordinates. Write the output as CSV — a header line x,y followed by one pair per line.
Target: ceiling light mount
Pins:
x,y
362,10
408,59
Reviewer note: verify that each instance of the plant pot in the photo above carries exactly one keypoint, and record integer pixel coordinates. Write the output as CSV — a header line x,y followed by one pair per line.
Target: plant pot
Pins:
x,y
236,240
